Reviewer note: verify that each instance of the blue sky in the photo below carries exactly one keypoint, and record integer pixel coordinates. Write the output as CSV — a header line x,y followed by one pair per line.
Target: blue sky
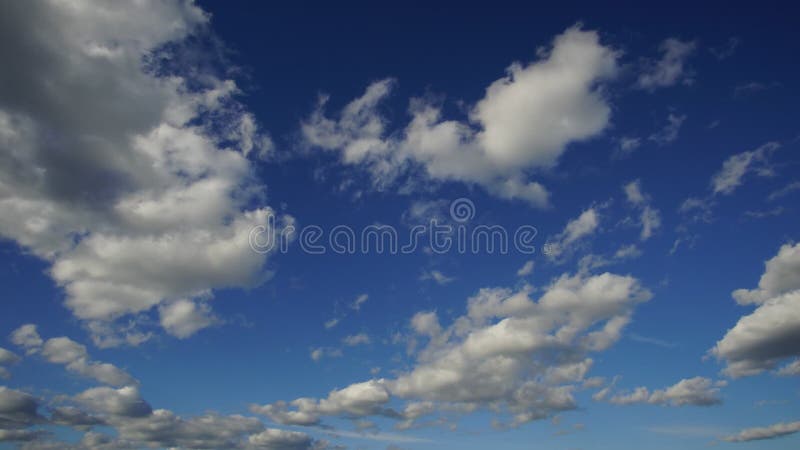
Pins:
x,y
150,150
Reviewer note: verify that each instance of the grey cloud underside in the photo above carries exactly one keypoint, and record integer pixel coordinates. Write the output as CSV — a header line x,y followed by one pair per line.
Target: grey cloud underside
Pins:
x,y
106,158
136,425
770,335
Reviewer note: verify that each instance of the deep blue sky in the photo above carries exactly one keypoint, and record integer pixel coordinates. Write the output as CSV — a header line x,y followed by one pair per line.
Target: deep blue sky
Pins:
x,y
721,186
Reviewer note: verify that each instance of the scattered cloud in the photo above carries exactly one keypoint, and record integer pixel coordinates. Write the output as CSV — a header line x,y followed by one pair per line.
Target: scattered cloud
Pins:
x,y
584,225
360,300
526,120
726,51
784,191
669,133
761,340
436,276
356,339
697,391
736,167
70,354
649,218
627,145
507,351
526,269
671,68
771,432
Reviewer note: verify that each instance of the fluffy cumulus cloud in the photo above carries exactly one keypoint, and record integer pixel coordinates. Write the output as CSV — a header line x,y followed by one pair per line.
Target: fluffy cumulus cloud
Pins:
x,y
769,335
126,163
135,424
670,69
516,355
525,122
697,391
759,433
74,356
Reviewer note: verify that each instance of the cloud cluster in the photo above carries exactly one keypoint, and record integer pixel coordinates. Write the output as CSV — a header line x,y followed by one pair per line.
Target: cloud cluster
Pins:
x,y
525,122
760,433
124,162
520,357
134,422
697,391
771,334
74,356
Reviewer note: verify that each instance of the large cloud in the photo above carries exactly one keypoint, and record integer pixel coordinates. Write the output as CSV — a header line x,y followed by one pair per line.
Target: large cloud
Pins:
x,y
110,169
520,357
771,334
525,121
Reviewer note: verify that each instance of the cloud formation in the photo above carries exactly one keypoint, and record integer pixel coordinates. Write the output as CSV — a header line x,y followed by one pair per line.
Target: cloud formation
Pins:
x,y
761,433
139,199
771,334
525,122
74,356
697,391
520,357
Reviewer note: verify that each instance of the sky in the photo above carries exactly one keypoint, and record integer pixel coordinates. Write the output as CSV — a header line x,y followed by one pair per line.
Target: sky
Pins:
x,y
414,226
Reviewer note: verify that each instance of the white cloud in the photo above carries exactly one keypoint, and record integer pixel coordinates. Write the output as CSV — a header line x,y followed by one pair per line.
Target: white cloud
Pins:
x,y
737,166
183,318
74,356
669,133
437,276
526,269
360,300
697,391
781,275
649,218
322,352
769,335
790,370
760,433
426,323
584,225
671,68
784,191
151,205
509,352
356,339
125,401
627,145
627,252
634,194
525,121
28,338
